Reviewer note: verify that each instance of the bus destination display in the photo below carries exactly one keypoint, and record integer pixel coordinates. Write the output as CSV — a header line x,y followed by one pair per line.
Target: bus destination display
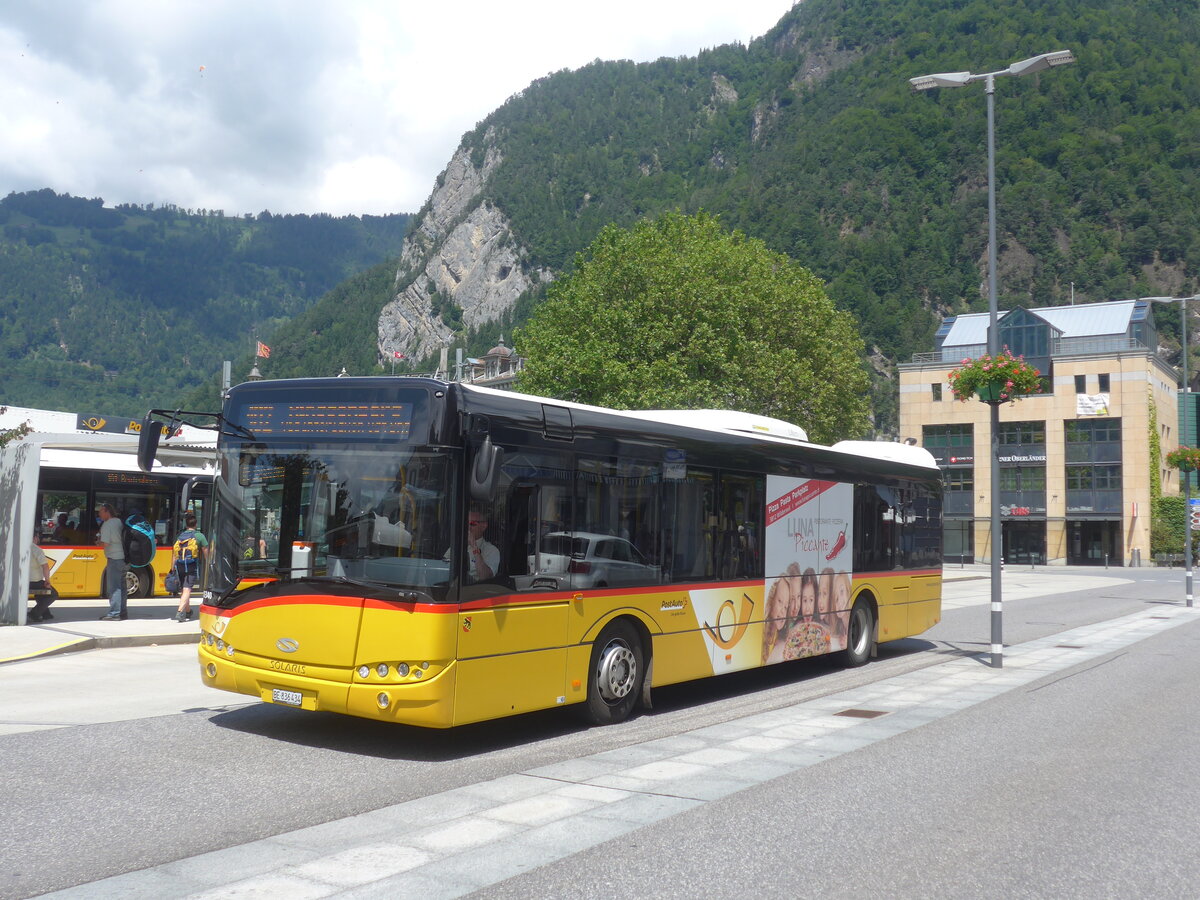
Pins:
x,y
344,420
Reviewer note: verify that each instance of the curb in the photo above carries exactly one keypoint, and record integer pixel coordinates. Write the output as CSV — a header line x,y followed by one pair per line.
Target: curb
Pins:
x,y
105,643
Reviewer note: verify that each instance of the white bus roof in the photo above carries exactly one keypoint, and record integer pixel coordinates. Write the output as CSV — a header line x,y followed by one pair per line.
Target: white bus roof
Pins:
x,y
763,427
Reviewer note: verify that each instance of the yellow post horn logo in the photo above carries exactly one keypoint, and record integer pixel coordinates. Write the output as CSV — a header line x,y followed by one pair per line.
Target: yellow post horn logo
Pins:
x,y
741,621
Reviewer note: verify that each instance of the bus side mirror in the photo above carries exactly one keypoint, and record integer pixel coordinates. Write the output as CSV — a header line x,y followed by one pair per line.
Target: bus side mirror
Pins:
x,y
148,443
485,470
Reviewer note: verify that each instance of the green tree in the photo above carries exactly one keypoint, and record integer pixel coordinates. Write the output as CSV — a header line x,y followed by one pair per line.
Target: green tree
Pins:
x,y
679,312
7,435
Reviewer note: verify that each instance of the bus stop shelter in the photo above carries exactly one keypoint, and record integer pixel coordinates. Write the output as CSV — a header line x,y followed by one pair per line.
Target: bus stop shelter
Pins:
x,y
20,464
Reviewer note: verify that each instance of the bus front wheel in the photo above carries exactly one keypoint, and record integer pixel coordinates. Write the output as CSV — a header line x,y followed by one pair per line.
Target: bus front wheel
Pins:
x,y
615,674
137,583
858,634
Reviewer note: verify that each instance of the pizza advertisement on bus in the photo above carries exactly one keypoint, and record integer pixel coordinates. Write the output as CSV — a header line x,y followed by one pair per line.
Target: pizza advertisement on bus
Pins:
x,y
809,548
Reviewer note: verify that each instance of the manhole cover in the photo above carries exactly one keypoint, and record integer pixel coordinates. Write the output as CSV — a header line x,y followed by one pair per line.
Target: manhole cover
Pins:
x,y
862,713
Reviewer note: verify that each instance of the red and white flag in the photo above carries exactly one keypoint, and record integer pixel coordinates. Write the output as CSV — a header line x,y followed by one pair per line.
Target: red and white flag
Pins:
x,y
263,350
396,354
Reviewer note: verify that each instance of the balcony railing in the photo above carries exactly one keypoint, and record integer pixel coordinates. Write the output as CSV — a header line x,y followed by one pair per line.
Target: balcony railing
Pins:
x,y
1077,346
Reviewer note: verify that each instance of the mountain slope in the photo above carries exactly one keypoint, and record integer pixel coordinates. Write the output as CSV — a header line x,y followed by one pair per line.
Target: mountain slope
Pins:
x,y
810,139
114,310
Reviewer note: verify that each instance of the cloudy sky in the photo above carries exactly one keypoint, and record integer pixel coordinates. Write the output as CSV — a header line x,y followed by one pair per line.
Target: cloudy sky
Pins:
x,y
340,106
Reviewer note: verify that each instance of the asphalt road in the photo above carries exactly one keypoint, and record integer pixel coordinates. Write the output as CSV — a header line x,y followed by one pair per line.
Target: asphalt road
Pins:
x,y
91,800
1078,786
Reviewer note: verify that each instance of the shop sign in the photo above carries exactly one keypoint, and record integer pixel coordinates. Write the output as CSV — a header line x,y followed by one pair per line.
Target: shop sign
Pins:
x,y
1022,511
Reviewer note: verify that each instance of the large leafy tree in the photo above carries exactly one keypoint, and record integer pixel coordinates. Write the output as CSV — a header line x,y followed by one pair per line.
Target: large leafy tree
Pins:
x,y
681,313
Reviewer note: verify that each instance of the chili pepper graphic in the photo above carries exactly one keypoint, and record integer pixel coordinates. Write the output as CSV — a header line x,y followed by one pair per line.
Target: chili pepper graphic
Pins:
x,y
837,546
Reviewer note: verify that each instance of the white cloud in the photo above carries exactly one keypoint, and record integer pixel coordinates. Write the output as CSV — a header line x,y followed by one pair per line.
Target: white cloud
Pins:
x,y
303,106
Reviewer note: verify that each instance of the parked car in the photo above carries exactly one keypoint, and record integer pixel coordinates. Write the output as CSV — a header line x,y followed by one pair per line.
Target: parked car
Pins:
x,y
580,560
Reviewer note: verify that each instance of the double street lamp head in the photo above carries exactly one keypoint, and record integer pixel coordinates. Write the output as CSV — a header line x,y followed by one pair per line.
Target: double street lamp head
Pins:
x,y
1024,67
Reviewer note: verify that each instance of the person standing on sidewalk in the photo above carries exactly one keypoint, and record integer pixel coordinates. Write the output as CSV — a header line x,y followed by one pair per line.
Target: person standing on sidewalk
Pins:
x,y
185,559
43,593
114,571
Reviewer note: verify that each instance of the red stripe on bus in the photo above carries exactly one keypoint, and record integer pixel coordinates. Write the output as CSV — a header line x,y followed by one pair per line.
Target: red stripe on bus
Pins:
x,y
517,599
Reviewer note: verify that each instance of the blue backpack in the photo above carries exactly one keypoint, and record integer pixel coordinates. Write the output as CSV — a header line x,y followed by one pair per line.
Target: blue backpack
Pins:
x,y
137,539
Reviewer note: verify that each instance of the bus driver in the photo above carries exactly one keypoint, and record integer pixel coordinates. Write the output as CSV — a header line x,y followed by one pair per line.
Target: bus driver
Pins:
x,y
483,557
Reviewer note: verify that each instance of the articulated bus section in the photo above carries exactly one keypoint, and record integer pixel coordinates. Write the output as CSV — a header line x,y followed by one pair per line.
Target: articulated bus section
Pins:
x,y
441,665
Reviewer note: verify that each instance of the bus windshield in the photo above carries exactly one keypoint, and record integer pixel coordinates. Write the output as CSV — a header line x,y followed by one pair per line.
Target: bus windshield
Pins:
x,y
370,514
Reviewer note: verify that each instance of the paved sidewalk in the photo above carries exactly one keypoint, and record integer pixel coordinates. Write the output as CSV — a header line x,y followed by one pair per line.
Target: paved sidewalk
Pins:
x,y
76,626
458,841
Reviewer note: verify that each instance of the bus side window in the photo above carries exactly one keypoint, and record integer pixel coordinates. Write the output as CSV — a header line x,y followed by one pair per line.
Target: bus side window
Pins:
x,y
538,495
620,499
739,549
689,526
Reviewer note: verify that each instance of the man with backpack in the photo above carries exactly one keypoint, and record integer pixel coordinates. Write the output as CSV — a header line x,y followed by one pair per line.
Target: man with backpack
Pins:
x,y
185,560
115,567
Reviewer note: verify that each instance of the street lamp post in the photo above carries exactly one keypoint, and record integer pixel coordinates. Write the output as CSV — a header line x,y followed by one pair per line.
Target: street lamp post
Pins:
x,y
1183,436
960,79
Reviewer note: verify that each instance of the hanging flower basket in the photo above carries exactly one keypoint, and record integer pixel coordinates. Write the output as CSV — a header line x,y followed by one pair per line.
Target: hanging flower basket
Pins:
x,y
1185,459
995,379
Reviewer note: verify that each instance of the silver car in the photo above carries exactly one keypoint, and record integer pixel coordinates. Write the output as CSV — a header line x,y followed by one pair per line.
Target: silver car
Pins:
x,y
583,560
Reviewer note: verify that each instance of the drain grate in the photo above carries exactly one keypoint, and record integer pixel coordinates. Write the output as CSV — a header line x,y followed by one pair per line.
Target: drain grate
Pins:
x,y
1069,646
862,713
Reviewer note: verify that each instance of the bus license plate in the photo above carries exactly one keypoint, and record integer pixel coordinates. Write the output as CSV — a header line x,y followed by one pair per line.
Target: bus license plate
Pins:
x,y
290,698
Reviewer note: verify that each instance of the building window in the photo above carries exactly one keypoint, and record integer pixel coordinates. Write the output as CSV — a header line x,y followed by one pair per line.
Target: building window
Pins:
x,y
1093,431
1023,478
1081,384
937,391
1088,478
959,480
1022,433
948,436
1104,383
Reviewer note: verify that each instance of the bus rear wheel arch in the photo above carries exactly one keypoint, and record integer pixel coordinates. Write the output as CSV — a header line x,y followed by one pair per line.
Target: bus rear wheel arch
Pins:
x,y
616,673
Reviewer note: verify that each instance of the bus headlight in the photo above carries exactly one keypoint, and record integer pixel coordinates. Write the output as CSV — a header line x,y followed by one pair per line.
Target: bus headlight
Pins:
x,y
383,700
229,650
382,670
364,671
402,670
210,670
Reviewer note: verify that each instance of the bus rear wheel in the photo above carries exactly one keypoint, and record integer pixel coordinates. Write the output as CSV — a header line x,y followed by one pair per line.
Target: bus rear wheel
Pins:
x,y
615,674
858,634
137,583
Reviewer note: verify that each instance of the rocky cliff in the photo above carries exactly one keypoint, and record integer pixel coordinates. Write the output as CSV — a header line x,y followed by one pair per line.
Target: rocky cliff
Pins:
x,y
462,253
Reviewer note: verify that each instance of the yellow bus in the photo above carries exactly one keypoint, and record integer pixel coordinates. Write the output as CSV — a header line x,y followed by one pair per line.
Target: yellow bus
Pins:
x,y
432,553
73,483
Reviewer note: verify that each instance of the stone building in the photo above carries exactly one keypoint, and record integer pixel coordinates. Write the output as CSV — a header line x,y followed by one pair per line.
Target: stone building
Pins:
x,y
498,368
1075,461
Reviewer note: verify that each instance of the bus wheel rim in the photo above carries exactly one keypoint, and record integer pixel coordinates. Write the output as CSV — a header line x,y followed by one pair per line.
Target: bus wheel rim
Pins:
x,y
616,672
858,630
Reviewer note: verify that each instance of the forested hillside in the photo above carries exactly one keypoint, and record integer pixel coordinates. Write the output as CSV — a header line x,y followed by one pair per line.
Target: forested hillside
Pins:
x,y
809,138
118,309
812,140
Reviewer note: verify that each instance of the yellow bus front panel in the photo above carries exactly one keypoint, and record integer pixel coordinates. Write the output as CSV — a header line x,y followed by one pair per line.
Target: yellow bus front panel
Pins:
x,y
511,659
